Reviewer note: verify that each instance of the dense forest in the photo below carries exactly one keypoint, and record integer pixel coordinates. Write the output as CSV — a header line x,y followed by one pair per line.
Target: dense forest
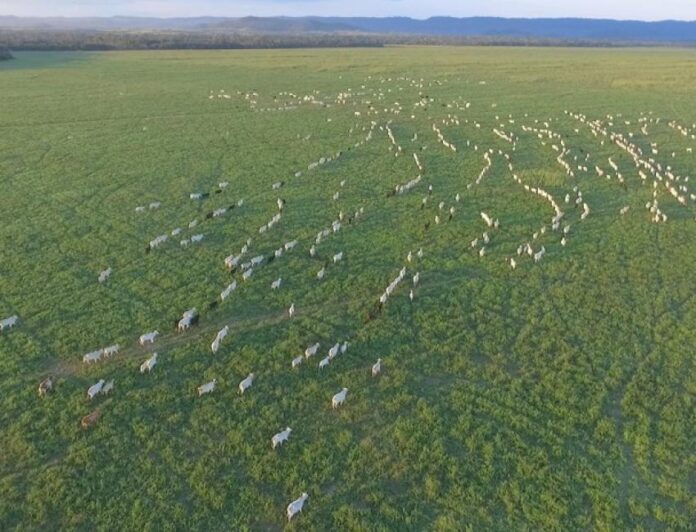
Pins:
x,y
41,40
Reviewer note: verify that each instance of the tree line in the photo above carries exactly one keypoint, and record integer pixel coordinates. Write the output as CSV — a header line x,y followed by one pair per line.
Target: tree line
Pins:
x,y
5,54
34,40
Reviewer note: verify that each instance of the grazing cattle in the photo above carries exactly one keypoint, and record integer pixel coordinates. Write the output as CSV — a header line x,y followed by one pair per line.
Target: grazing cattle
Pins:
x,y
416,278
409,257
218,339
312,251
377,367
411,295
324,362
276,284
90,420
104,275
8,323
148,338
291,310
227,291
247,274
45,386
246,383
149,364
295,506
111,350
108,387
320,273
189,318
513,263
196,238
338,257
278,439
334,350
311,350
207,387
280,202
93,390
297,361
340,398
93,356
538,255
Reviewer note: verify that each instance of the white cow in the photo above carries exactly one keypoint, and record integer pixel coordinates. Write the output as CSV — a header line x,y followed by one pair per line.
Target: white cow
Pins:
x,y
334,350
111,350
227,291
148,338
313,251
295,506
94,390
297,361
108,387
246,383
8,323
321,273
338,257
416,278
377,367
276,284
338,399
281,437
324,362
311,350
186,320
291,310
104,275
149,364
94,356
219,337
207,387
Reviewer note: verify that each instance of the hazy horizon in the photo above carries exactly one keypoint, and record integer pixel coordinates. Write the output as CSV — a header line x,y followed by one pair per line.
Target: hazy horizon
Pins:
x,y
683,10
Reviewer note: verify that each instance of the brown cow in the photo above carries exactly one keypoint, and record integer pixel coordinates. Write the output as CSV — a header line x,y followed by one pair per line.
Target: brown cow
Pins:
x,y
90,419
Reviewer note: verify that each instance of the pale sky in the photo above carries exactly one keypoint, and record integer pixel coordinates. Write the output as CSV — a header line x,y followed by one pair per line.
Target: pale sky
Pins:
x,y
619,9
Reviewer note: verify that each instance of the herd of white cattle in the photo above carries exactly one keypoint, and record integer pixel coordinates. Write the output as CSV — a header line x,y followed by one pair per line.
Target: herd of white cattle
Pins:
x,y
574,167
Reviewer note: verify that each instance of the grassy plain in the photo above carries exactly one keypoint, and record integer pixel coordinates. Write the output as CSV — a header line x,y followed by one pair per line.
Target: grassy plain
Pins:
x,y
560,395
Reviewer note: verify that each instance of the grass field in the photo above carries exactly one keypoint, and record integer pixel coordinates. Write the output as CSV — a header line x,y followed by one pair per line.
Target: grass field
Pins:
x,y
557,395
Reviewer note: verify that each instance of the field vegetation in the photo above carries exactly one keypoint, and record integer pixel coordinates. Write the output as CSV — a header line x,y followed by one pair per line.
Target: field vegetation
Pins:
x,y
558,394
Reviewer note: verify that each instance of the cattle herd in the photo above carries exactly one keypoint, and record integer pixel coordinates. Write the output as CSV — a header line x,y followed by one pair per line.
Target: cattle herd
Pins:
x,y
374,118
